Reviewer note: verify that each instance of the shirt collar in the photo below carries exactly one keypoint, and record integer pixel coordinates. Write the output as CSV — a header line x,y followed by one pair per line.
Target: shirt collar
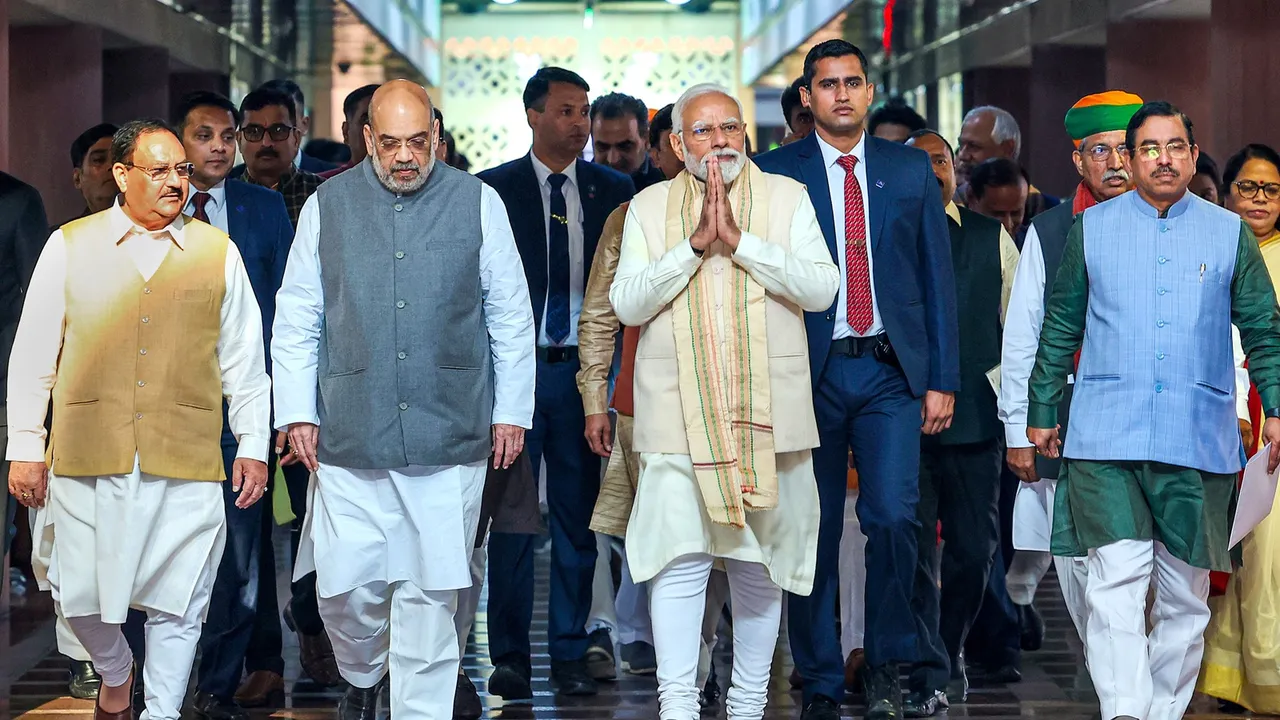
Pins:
x,y
830,155
543,172
217,196
1175,210
122,226
953,212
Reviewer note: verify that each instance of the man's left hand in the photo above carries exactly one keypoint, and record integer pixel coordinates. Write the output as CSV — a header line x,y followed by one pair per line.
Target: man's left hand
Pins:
x,y
249,478
508,442
727,230
936,411
1271,435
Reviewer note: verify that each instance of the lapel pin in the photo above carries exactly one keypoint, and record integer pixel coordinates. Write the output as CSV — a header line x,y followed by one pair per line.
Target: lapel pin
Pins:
x,y
591,192
880,184
239,208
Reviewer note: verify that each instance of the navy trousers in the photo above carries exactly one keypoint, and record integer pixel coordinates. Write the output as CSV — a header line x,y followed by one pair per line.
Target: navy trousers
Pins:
x,y
863,405
573,482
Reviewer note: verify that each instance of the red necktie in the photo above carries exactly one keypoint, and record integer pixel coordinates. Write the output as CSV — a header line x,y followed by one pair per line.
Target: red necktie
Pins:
x,y
200,200
857,265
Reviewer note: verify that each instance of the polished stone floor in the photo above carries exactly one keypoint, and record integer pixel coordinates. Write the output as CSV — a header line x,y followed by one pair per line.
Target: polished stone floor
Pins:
x,y
33,677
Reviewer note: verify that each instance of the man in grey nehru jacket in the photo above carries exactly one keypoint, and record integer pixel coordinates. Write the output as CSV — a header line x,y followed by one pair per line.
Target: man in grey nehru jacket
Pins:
x,y
403,354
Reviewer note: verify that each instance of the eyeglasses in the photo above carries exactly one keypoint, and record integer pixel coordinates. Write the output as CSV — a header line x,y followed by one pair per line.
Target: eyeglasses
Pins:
x,y
278,132
158,174
392,145
1102,153
704,132
1177,149
1248,189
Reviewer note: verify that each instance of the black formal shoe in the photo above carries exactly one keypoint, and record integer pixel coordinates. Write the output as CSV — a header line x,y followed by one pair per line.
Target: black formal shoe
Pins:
x,y
1004,673
924,704
599,657
359,703
638,658
84,681
212,707
139,693
884,692
821,708
510,679
1030,626
572,678
709,698
466,701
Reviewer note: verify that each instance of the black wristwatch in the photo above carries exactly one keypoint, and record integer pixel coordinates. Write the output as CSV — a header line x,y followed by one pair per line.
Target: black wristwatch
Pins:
x,y
700,253
1272,412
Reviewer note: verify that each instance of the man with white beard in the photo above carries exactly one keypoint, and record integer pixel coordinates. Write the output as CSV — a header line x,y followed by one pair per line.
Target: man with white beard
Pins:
x,y
424,368
717,267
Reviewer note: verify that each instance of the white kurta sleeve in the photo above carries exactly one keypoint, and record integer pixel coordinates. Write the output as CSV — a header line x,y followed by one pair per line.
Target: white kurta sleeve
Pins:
x,y
1022,323
295,334
1242,377
507,315
33,365
642,288
242,361
806,275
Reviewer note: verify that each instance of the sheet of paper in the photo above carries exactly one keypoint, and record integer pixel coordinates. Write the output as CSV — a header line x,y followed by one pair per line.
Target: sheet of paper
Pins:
x,y
993,377
1257,495
1033,516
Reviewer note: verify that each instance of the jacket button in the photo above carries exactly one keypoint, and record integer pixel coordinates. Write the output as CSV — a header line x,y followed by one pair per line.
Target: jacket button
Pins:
x,y
146,319
404,406
143,351
1159,388
401,356
399,254
146,291
142,383
138,416
399,207
399,303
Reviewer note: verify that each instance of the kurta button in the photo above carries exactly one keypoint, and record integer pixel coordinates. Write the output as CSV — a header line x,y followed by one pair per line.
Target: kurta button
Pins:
x,y
1161,291
399,254
1160,323
716,270
146,319
1163,259
1164,228
142,383
402,356
399,303
1160,356
399,207
404,406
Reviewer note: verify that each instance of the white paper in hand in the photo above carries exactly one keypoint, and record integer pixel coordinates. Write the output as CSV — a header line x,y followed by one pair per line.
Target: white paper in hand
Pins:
x,y
1257,494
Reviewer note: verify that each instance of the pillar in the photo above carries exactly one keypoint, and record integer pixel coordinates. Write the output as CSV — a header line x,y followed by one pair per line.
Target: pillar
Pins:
x,y
1245,60
135,84
1181,78
1060,75
55,93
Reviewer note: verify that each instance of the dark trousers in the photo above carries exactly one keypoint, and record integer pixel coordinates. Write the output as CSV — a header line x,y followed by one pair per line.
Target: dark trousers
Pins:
x,y
995,638
233,603
867,406
959,485
573,482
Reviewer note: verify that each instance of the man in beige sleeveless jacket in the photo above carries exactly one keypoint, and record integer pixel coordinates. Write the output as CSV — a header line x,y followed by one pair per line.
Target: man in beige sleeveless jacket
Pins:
x,y
139,321
717,268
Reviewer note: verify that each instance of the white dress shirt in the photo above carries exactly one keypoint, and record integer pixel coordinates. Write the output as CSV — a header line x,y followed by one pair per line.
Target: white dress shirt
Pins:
x,y
835,184
295,343
33,367
577,277
215,208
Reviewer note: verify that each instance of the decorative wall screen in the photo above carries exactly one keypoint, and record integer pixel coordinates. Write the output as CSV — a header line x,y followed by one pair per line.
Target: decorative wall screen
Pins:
x,y
488,59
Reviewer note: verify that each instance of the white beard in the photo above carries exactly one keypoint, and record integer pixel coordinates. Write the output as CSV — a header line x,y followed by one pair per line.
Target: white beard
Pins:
x,y
731,164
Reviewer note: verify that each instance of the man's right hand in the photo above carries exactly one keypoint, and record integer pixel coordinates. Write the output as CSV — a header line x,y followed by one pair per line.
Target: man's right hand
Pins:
x,y
1046,441
29,482
284,459
303,438
1022,461
709,223
600,434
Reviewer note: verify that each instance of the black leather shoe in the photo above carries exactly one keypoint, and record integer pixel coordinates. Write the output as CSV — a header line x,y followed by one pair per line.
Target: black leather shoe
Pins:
x,y
884,693
359,703
709,698
212,707
84,681
510,679
1031,627
599,657
466,701
821,708
924,704
572,678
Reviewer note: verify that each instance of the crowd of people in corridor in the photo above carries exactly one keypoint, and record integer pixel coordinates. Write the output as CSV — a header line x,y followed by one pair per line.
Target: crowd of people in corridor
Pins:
x,y
827,384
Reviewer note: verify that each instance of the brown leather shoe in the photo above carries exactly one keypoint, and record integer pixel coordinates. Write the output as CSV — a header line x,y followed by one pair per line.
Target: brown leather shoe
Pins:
x,y
262,688
125,714
853,666
315,654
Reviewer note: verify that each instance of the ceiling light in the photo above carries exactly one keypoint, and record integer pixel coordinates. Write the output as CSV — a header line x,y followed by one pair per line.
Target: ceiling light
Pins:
x,y
505,2
677,2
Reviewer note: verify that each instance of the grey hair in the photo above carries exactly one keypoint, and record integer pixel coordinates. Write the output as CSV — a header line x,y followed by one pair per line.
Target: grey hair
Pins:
x,y
1003,129
677,112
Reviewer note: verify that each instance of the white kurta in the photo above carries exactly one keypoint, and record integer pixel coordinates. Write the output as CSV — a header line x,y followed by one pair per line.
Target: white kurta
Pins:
x,y
137,539
414,524
669,518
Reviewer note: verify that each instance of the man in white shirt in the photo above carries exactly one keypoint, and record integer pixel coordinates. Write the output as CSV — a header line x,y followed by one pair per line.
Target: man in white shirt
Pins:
x,y
140,322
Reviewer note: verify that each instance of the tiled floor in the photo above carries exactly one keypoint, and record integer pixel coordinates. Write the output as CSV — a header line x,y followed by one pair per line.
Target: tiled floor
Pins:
x,y
32,680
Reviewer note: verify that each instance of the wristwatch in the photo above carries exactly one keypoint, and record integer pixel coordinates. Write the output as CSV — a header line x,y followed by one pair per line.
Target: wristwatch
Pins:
x,y
700,253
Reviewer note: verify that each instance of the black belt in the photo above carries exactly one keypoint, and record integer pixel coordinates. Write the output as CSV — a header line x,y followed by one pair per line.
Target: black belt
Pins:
x,y
875,345
554,355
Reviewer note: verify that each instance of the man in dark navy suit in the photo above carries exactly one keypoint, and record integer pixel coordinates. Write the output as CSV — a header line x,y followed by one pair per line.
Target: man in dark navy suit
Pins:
x,y
258,223
557,204
885,366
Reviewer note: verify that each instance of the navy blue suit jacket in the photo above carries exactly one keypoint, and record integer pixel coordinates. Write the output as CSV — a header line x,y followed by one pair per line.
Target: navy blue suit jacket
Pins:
x,y
601,191
911,257
258,224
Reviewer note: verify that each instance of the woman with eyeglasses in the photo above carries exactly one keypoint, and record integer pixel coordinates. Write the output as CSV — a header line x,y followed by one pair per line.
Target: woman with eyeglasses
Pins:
x,y
1242,644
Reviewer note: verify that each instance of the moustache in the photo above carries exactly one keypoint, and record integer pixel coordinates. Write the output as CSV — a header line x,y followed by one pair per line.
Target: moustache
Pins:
x,y
1113,174
267,152
409,166
1164,170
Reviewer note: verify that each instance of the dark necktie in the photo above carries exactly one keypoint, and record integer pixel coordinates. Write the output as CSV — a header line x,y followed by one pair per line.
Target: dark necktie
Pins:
x,y
557,320
199,201
857,264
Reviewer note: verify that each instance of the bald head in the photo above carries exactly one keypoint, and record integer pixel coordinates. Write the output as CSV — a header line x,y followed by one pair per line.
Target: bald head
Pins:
x,y
401,135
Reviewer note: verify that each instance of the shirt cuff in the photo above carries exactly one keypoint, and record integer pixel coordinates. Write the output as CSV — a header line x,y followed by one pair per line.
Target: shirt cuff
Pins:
x,y
1270,397
687,259
253,447
595,403
1042,416
25,447
501,418
1015,435
284,421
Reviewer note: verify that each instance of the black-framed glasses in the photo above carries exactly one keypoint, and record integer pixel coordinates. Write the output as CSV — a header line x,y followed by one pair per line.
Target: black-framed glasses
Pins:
x,y
1101,153
158,174
278,132
1249,189
1177,149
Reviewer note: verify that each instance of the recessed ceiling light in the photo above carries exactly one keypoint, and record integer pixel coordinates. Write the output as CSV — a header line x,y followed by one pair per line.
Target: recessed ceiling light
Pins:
x,y
506,2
